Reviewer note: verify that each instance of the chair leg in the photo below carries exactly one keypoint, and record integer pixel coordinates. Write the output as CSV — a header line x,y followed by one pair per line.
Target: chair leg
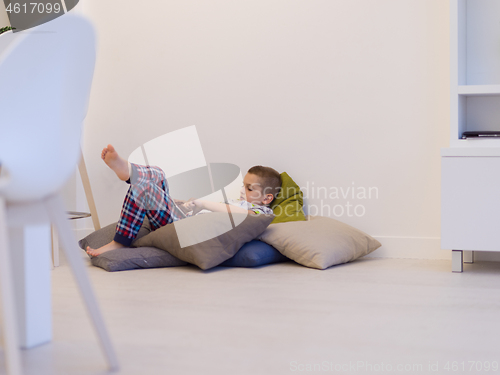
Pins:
x,y
88,191
10,324
55,247
55,208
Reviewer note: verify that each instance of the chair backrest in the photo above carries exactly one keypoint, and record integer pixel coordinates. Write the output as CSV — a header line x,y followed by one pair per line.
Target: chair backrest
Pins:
x,y
45,79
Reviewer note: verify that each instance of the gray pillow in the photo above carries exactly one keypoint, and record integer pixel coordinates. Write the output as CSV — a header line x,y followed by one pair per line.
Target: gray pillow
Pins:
x,y
319,242
209,239
127,258
105,235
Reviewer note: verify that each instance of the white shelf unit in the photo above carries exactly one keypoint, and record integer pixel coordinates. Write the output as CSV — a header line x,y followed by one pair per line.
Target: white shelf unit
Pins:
x,y
475,70
478,90
470,178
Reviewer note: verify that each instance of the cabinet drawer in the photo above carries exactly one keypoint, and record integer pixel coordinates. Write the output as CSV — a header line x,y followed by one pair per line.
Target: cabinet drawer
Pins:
x,y
470,203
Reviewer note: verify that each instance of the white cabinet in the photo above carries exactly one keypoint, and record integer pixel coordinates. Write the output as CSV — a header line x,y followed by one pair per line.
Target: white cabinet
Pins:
x,y
470,186
470,205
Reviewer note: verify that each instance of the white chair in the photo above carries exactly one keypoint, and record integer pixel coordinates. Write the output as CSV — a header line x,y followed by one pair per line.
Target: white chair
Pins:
x,y
45,80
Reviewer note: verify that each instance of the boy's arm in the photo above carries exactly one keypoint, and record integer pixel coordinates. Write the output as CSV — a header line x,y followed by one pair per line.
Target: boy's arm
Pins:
x,y
218,207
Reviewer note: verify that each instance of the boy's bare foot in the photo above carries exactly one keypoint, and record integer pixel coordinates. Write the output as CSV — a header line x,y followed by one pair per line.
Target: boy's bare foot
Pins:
x,y
118,164
110,246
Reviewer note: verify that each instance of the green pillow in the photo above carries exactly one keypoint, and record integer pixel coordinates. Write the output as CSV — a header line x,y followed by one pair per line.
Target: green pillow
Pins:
x,y
287,206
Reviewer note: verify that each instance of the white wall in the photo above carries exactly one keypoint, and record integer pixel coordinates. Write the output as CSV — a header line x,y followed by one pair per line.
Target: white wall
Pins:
x,y
4,20
338,93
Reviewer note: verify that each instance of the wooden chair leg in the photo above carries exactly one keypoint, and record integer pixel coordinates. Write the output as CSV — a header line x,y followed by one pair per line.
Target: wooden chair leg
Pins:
x,y
10,324
55,208
88,192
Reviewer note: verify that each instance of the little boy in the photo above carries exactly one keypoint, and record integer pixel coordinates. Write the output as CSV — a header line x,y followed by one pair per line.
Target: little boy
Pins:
x,y
149,196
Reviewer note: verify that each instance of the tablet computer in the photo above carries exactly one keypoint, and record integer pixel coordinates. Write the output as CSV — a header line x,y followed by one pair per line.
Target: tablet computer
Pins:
x,y
480,134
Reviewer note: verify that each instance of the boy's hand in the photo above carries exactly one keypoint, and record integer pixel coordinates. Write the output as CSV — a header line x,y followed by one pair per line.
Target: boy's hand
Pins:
x,y
197,206
189,206
185,206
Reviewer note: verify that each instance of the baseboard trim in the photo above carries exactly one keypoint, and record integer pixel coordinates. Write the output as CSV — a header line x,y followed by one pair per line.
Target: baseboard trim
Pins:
x,y
410,248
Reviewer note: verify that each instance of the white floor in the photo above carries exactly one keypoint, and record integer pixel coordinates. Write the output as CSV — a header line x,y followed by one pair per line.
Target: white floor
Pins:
x,y
280,319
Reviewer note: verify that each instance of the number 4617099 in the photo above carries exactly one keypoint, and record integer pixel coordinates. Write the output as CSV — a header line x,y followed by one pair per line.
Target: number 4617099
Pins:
x,y
473,366
33,8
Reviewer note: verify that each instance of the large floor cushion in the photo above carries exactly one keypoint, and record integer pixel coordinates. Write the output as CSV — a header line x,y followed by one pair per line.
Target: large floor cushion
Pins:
x,y
204,240
254,253
127,258
320,242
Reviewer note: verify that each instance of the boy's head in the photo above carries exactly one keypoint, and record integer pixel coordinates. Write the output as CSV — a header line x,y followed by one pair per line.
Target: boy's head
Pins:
x,y
260,185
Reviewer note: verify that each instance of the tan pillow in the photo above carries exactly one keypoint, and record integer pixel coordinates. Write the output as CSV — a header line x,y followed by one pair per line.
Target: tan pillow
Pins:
x,y
207,239
320,242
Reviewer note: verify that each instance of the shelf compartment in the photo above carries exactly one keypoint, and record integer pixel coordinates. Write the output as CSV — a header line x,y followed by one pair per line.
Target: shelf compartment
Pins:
x,y
479,113
466,148
479,90
478,32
